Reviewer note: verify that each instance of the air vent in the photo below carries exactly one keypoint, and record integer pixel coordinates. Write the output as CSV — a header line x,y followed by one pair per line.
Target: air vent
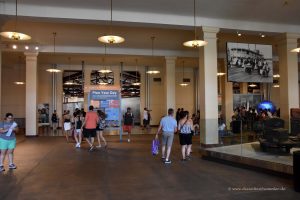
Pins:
x,y
157,79
186,80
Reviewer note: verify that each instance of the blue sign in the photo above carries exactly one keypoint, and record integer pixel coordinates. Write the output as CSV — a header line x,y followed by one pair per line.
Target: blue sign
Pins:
x,y
104,95
112,113
104,104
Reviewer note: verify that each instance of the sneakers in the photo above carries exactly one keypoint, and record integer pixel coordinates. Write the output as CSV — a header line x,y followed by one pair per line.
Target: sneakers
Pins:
x,y
77,145
12,166
99,146
168,162
128,140
2,168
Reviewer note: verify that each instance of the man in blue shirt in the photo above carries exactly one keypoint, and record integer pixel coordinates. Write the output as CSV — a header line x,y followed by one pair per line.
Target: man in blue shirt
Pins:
x,y
7,140
168,125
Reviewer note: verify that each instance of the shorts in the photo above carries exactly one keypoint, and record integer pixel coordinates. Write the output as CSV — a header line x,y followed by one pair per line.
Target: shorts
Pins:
x,y
7,144
67,126
77,131
89,133
167,139
185,139
127,128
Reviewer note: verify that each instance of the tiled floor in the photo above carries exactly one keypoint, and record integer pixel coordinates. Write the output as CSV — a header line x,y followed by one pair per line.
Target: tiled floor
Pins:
x,y
50,168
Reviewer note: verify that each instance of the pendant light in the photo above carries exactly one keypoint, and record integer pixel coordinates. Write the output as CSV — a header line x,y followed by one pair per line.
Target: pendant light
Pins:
x,y
53,69
14,35
111,39
252,85
19,82
153,71
184,83
137,83
195,43
105,70
296,50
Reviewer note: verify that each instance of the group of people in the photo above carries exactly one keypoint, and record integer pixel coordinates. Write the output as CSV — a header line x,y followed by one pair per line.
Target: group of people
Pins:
x,y
169,126
251,64
87,125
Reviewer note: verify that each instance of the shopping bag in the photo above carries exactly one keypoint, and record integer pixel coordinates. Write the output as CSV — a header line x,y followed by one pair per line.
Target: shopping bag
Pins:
x,y
155,146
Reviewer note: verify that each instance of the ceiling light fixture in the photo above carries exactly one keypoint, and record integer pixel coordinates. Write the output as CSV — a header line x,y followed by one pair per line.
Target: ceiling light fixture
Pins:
x,y
111,39
276,86
238,34
252,85
276,76
14,46
296,50
184,83
153,71
195,43
14,35
54,66
105,70
136,74
262,35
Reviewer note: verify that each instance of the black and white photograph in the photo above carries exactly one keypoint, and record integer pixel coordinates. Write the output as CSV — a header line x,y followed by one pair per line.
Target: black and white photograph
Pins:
x,y
249,63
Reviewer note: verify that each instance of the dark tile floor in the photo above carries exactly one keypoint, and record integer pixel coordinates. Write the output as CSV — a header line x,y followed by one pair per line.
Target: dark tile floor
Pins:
x,y
50,168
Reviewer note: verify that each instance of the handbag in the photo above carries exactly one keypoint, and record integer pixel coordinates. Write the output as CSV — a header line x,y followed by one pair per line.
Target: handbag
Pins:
x,y
155,147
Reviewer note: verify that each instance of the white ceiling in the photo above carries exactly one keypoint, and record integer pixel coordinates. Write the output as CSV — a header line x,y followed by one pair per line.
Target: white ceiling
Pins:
x,y
78,23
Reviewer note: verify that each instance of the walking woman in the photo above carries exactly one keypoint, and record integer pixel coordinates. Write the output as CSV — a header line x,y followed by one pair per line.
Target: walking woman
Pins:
x,y
8,128
78,134
100,129
67,124
185,127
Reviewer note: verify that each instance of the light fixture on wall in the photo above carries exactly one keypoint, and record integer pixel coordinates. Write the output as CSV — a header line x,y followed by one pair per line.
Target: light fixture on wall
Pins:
x,y
111,39
152,71
276,85
54,69
252,85
136,75
19,82
105,70
14,35
184,82
195,43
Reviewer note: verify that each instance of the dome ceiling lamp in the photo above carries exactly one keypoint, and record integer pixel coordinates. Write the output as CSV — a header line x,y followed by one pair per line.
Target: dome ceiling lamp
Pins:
x,y
105,70
195,43
184,83
111,39
54,69
14,35
136,83
153,71
296,50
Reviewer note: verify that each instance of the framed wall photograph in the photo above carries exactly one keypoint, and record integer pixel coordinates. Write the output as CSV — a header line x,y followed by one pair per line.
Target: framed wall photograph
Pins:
x,y
249,63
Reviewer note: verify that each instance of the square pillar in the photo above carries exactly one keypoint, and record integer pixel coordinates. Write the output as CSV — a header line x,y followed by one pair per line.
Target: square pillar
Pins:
x,y
208,89
87,82
288,70
31,94
227,98
170,82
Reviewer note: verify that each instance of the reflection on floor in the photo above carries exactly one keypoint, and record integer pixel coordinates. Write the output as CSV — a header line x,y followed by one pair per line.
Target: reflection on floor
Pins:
x,y
251,154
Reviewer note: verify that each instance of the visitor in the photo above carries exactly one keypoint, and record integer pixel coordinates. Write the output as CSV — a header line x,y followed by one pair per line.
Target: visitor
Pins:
x,y
90,124
128,122
8,130
168,126
185,127
77,132
145,118
67,124
54,120
100,128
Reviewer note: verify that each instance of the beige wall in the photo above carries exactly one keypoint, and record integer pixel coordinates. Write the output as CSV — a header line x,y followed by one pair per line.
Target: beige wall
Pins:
x,y
185,97
12,95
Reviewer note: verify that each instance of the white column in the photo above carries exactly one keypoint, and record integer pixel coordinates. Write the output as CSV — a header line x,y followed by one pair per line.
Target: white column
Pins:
x,y
87,82
208,88
31,94
170,82
59,97
142,92
288,70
